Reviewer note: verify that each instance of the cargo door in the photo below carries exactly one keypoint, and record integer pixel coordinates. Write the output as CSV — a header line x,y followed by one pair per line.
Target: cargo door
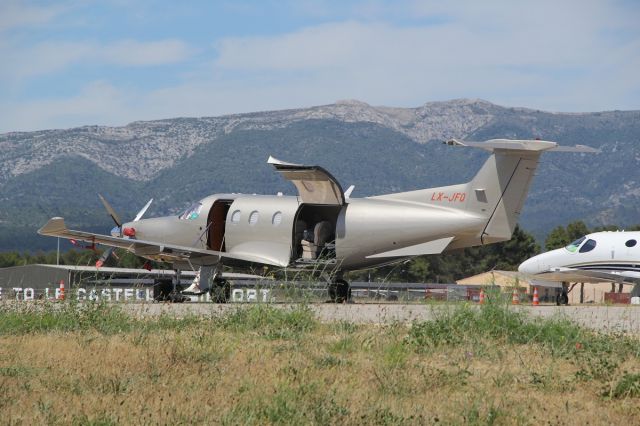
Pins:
x,y
315,185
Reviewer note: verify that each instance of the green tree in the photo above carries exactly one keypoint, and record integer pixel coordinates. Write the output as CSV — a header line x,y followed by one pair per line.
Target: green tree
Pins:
x,y
557,238
508,255
576,230
560,237
418,269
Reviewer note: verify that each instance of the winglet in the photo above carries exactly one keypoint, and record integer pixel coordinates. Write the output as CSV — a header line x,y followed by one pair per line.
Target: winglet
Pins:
x,y
55,226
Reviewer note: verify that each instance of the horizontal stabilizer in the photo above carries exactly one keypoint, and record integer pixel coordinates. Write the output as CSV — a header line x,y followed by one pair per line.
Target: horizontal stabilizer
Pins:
x,y
432,247
521,145
54,227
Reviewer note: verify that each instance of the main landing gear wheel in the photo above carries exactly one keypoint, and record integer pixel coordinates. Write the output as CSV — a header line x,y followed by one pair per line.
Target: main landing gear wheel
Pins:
x,y
562,298
220,291
339,291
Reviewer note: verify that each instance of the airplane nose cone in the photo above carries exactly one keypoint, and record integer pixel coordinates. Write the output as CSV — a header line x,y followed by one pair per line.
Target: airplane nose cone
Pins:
x,y
529,266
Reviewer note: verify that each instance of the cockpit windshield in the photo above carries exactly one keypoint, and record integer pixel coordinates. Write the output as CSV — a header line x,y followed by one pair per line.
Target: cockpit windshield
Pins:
x,y
588,246
573,247
192,212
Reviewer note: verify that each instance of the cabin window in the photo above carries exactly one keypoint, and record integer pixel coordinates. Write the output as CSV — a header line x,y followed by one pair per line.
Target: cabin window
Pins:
x,y
276,219
253,217
588,246
192,212
630,243
235,217
574,245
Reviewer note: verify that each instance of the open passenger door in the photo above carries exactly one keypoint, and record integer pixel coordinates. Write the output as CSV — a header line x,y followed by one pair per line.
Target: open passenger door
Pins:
x,y
315,185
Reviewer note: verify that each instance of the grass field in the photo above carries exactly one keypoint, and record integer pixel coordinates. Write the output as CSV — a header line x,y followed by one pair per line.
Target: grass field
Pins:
x,y
92,364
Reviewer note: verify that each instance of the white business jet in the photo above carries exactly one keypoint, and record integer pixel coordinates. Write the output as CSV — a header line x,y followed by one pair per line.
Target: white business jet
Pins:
x,y
595,258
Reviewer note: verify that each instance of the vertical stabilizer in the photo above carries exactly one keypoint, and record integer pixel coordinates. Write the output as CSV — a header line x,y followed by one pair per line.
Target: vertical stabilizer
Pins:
x,y
497,193
499,190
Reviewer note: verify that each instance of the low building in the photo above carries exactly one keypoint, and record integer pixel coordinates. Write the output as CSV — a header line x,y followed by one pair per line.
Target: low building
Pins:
x,y
578,293
42,281
502,279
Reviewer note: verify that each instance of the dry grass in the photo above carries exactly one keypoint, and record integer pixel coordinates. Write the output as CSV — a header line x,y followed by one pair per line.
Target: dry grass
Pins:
x,y
259,366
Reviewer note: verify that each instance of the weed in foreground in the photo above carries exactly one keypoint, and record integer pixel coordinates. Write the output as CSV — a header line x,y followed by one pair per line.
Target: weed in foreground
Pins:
x,y
467,325
260,365
270,322
306,403
628,386
598,357
63,317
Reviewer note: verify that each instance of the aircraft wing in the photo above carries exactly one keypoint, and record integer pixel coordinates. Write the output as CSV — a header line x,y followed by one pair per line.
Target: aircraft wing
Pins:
x,y
587,276
315,185
56,227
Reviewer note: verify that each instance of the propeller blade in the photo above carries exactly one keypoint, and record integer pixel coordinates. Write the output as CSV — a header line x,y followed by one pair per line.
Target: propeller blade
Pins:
x,y
143,211
347,193
111,212
104,257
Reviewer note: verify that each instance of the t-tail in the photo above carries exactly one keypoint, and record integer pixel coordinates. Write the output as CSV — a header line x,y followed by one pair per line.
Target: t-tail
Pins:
x,y
498,191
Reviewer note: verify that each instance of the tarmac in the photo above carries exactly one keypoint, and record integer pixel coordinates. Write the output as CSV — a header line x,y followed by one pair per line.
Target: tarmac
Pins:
x,y
611,319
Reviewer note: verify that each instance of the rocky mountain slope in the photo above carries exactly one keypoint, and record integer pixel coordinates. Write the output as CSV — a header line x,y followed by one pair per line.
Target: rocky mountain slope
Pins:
x,y
379,149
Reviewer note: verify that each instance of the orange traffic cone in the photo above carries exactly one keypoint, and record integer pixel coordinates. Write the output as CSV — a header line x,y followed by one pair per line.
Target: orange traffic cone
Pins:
x,y
61,290
481,300
514,299
536,299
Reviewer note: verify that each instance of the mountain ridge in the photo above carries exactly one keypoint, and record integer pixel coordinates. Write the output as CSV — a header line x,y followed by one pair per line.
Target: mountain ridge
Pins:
x,y
380,149
143,139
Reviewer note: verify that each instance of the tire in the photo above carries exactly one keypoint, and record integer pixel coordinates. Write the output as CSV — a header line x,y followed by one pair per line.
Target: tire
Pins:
x,y
343,291
339,291
333,292
562,299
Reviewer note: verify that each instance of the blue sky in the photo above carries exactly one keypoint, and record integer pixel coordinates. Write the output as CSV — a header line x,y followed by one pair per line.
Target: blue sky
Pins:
x,y
80,62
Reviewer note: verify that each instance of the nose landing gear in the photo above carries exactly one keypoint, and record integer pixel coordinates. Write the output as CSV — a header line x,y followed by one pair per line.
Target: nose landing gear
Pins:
x,y
562,296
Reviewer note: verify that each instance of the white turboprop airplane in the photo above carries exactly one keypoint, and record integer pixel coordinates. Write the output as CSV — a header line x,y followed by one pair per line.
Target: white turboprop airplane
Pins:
x,y
595,258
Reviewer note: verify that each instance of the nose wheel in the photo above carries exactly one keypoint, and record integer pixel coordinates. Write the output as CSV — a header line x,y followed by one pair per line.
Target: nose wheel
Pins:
x,y
339,291
562,298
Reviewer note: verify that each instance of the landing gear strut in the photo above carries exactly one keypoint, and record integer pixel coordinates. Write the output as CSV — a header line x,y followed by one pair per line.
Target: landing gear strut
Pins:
x,y
562,297
339,291
168,289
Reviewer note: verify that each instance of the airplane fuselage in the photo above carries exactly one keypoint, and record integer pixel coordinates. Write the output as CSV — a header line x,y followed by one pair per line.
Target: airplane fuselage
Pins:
x,y
284,231
606,252
323,229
